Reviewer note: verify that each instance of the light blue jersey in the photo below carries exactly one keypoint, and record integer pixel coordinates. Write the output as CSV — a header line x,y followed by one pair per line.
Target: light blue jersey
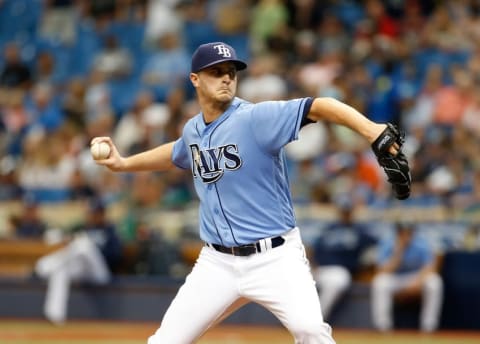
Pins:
x,y
417,254
239,170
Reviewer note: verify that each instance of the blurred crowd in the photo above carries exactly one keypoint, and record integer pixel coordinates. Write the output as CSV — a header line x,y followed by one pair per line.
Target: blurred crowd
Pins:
x,y
71,70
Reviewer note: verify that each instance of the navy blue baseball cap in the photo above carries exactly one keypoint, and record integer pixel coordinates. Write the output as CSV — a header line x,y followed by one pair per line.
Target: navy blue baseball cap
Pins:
x,y
210,54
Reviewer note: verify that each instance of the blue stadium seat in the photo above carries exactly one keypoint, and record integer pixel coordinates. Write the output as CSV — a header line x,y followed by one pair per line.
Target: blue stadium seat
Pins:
x,y
86,47
19,19
123,93
50,195
196,33
240,43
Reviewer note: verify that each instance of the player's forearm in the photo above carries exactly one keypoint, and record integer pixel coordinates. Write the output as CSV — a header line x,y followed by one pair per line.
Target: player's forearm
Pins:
x,y
389,267
334,111
419,279
392,264
156,159
427,270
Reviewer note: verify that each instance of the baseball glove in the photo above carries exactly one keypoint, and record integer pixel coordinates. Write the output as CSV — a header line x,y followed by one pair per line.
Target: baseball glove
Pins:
x,y
395,166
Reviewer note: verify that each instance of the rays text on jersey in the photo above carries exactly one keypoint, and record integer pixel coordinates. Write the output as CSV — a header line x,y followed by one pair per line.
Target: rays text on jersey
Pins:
x,y
210,163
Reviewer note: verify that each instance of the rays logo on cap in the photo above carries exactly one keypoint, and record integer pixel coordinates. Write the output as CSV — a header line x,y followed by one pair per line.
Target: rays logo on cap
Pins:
x,y
209,54
223,50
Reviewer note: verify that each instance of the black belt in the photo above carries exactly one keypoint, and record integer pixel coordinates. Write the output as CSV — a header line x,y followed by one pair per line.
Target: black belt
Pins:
x,y
246,250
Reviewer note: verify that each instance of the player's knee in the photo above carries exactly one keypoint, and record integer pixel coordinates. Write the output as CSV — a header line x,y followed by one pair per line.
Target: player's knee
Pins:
x,y
338,279
381,282
342,280
433,284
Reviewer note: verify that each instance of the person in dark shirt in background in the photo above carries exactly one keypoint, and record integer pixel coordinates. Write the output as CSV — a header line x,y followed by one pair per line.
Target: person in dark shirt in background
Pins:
x,y
28,224
337,254
91,256
15,73
102,232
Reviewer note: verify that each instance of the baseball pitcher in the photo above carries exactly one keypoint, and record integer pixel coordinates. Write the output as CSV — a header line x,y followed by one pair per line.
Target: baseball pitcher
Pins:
x,y
253,249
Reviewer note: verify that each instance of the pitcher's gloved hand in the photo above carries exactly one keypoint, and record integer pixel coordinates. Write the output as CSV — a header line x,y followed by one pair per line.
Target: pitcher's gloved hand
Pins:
x,y
395,166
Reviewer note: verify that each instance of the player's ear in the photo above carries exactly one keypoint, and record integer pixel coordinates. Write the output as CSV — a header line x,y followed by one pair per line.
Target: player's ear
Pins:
x,y
194,79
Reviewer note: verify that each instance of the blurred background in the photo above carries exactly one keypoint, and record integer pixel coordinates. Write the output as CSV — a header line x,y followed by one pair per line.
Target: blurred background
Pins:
x,y
74,69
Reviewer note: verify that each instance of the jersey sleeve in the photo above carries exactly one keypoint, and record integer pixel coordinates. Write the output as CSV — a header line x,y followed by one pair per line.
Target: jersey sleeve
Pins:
x,y
276,123
180,156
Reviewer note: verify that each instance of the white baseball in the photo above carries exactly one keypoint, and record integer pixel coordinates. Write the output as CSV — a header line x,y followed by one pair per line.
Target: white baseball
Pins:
x,y
100,150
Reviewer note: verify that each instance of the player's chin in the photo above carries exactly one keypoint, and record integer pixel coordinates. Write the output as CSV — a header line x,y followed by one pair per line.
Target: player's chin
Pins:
x,y
225,96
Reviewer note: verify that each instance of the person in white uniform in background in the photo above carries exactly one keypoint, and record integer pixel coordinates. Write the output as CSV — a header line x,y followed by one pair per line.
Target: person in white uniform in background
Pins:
x,y
406,268
90,257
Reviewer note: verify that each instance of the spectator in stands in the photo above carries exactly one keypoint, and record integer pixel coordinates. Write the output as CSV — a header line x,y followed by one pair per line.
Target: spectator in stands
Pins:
x,y
472,114
161,19
334,36
306,176
92,255
102,11
406,268
28,224
80,186
452,101
320,74
180,108
147,191
73,103
145,121
113,60
58,21
367,174
304,48
471,240
337,256
378,18
305,14
98,102
420,115
46,169
178,191
444,32
15,72
165,70
263,81
468,199
44,70
14,120
230,17
9,188
45,110
269,18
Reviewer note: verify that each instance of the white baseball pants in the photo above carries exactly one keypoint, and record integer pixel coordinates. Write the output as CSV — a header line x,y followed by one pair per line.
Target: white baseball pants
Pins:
x,y
80,260
384,287
333,281
278,279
